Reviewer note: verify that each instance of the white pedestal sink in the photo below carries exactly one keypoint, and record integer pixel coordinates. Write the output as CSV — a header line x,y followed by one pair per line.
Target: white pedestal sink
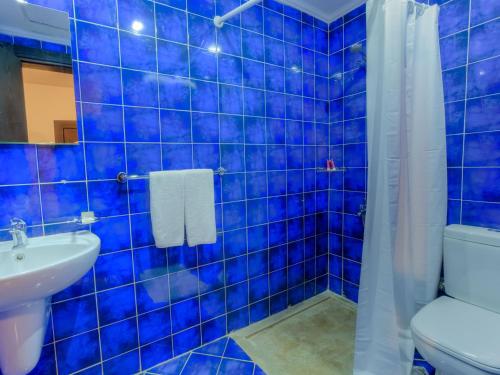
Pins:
x,y
29,276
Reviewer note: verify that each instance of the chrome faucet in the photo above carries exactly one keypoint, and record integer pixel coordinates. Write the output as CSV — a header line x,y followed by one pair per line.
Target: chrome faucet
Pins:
x,y
18,232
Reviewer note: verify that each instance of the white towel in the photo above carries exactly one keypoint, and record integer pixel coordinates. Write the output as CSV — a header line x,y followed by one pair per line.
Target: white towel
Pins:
x,y
200,207
167,207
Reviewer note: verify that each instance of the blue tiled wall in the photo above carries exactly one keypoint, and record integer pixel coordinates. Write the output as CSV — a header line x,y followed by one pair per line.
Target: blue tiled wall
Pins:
x,y
262,98
347,78
251,97
469,30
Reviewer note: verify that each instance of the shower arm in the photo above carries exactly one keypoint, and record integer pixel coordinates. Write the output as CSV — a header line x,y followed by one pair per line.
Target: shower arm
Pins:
x,y
219,20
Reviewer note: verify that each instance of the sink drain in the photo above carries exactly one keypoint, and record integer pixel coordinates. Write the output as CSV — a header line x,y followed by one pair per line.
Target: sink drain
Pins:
x,y
20,256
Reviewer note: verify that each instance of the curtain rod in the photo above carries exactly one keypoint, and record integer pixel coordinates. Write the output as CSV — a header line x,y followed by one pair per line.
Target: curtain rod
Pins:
x,y
219,20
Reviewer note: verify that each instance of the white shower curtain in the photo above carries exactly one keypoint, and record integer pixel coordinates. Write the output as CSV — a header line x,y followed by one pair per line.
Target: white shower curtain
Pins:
x,y
407,187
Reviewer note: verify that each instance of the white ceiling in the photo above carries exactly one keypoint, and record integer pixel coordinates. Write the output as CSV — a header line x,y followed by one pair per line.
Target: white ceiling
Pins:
x,y
325,10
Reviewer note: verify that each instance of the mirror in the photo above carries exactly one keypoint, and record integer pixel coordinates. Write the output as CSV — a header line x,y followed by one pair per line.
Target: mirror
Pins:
x,y
37,91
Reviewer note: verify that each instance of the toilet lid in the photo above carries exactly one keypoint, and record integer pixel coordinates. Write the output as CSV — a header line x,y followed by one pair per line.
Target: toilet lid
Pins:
x,y
462,330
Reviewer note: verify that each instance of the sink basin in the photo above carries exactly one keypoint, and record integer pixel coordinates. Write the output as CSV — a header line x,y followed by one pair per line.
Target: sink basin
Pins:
x,y
29,276
44,267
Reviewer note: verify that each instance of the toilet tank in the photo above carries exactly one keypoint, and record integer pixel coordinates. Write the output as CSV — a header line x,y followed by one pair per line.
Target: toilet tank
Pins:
x,y
472,265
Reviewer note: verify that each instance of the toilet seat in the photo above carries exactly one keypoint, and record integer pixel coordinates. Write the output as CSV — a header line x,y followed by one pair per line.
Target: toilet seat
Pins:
x,y
466,332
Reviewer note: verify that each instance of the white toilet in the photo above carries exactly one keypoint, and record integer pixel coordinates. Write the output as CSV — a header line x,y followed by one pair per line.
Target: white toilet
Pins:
x,y
459,334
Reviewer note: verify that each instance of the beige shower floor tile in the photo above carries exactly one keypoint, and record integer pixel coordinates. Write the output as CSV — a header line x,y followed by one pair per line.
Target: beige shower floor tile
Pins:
x,y
313,338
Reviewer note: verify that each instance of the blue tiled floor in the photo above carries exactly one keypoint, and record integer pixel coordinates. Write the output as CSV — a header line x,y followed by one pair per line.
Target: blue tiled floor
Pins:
x,y
223,357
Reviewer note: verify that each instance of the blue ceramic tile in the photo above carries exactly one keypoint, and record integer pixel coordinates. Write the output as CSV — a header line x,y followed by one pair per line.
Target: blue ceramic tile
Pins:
x,y
455,117
198,364
211,277
172,58
234,243
156,352
256,185
113,270
202,7
354,31
236,270
143,158
177,156
174,92
130,11
481,150
230,99
229,40
237,296
482,78
253,74
149,262
116,304
118,338
233,187
97,44
204,96
104,160
231,129
255,158
74,316
102,122
152,294
479,37
480,214
453,17
100,84
212,305
175,126
104,14
140,88
137,52
273,24
172,367
234,215
185,314
63,202
213,329
122,363
484,10
187,340
201,32
230,70
274,51
171,24
18,164
355,106
259,290
107,198
483,114
203,64
205,128
253,45
232,157
183,285
254,102
481,184
78,352
206,156
251,19
141,125
292,30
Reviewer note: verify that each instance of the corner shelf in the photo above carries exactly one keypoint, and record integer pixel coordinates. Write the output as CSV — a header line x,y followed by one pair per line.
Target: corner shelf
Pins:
x,y
331,170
